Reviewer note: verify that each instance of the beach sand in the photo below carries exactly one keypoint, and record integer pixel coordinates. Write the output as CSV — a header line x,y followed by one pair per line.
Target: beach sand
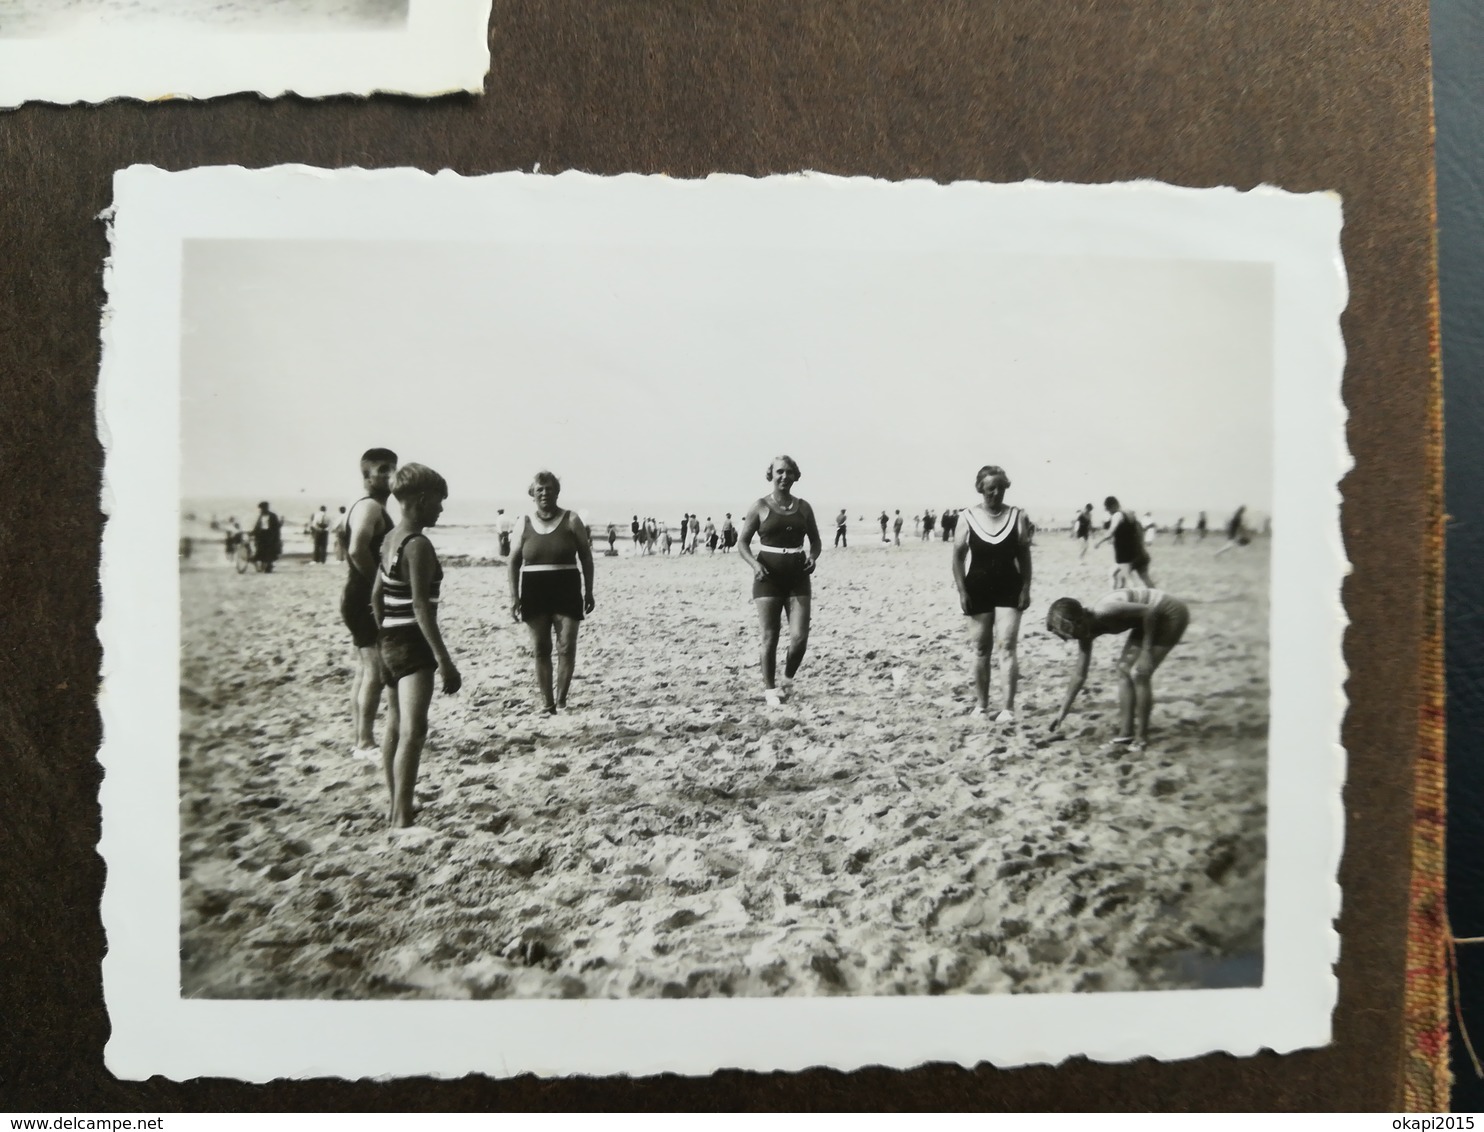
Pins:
x,y
673,837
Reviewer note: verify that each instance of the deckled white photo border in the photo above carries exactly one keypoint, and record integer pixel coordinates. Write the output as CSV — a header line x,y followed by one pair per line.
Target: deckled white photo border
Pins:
x,y
443,48
155,1031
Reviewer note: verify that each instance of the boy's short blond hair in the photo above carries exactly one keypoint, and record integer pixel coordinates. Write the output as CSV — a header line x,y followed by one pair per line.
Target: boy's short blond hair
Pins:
x,y
418,479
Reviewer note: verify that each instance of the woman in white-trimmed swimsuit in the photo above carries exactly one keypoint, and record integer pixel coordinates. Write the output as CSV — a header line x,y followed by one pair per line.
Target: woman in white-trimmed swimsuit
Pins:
x,y
992,572
1154,620
551,586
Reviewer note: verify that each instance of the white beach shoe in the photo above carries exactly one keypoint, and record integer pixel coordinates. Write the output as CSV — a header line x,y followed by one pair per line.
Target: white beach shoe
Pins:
x,y
366,754
1005,716
772,697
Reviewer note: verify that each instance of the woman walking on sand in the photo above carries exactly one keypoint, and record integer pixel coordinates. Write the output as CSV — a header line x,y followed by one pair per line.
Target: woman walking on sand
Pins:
x,y
992,572
781,568
551,586
404,598
1154,621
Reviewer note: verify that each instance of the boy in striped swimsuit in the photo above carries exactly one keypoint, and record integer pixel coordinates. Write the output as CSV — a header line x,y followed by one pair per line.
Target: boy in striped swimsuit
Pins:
x,y
1154,621
405,600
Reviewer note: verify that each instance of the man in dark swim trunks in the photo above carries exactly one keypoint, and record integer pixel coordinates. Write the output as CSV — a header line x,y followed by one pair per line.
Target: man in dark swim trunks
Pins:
x,y
366,525
1126,534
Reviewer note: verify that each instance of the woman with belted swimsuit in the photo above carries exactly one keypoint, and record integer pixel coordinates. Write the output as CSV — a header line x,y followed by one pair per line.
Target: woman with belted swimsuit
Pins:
x,y
783,524
551,586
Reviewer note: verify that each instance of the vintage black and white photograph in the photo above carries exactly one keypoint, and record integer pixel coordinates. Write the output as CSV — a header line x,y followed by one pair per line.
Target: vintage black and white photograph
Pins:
x,y
95,50
46,17
787,591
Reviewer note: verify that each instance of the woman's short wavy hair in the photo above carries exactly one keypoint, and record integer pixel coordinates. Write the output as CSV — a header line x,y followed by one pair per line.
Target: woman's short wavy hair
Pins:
x,y
548,478
990,470
418,479
1067,617
789,460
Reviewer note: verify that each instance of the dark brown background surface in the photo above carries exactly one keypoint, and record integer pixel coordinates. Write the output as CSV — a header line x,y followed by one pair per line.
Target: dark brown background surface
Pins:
x,y
1304,94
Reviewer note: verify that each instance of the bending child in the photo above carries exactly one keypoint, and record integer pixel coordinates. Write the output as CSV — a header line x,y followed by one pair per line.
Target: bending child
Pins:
x,y
405,599
1154,621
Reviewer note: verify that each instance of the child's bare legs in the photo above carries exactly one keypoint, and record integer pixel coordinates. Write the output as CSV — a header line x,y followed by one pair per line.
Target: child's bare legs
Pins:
x,y
1127,694
769,616
981,639
1007,637
365,691
390,734
414,693
798,634
1116,578
1136,689
566,634
540,626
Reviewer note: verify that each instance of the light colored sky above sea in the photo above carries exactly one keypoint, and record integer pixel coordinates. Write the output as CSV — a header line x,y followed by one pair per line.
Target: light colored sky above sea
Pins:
x,y
666,374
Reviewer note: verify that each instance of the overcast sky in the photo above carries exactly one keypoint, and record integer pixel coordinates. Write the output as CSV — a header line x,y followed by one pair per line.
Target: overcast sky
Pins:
x,y
666,374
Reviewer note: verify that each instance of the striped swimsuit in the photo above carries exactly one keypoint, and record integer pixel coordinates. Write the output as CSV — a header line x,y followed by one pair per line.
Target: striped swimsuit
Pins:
x,y
404,650
1171,615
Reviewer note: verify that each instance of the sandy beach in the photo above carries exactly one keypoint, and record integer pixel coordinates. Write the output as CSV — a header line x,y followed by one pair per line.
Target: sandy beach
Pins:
x,y
672,837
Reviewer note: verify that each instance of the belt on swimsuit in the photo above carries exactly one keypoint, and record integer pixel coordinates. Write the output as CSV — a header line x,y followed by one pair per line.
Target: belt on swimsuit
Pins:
x,y
542,566
781,549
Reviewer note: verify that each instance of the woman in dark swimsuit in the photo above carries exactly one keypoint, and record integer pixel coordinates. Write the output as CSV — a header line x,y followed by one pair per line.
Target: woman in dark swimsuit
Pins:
x,y
995,588
780,571
551,585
